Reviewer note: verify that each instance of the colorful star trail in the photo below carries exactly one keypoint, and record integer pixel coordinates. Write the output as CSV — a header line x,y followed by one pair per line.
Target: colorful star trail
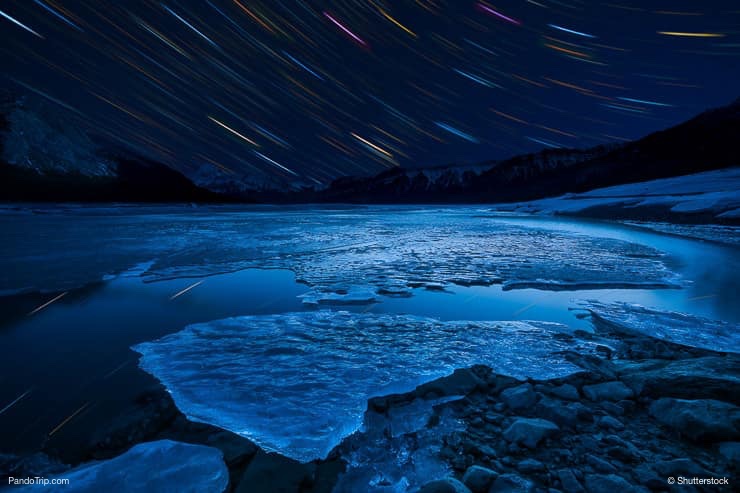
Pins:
x,y
306,90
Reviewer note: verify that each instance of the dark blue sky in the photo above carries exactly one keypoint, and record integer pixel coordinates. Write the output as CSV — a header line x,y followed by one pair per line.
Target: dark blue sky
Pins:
x,y
316,90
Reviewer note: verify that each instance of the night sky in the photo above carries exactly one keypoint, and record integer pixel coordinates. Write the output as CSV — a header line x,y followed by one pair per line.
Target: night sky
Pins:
x,y
314,90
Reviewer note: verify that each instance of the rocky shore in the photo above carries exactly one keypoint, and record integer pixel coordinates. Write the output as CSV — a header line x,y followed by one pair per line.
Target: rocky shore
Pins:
x,y
642,413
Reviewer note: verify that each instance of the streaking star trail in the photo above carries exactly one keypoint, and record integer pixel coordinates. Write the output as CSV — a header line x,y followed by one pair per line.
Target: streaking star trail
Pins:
x,y
323,90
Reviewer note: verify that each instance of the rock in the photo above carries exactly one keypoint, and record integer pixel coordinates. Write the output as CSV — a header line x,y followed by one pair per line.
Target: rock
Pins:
x,y
646,476
711,377
599,465
625,454
680,467
730,451
563,455
596,368
569,482
528,466
621,449
565,391
612,408
530,431
497,382
519,397
447,485
607,391
273,473
511,483
236,449
479,479
703,420
479,449
461,382
608,483
327,474
558,412
610,423
627,406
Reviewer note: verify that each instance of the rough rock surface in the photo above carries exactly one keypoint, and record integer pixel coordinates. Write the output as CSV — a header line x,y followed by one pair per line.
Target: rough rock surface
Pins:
x,y
701,420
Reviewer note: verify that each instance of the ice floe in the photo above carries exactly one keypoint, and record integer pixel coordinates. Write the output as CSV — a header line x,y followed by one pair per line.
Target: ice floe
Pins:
x,y
710,232
155,467
681,328
298,383
397,452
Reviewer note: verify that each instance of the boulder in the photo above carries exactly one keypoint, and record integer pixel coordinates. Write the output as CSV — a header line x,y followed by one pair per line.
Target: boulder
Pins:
x,y
607,391
530,431
730,451
612,408
460,382
273,473
565,391
569,482
599,464
528,466
236,449
646,476
711,377
610,423
609,483
680,467
703,420
446,485
512,483
519,397
479,479
562,414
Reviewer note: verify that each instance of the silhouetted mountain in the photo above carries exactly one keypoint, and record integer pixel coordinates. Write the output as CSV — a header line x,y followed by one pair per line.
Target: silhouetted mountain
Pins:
x,y
706,142
46,157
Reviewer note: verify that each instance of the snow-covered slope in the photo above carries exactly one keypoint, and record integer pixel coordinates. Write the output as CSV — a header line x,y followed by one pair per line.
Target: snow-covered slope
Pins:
x,y
713,196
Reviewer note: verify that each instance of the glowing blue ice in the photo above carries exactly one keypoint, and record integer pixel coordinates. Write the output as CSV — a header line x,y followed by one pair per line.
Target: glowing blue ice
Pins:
x,y
298,383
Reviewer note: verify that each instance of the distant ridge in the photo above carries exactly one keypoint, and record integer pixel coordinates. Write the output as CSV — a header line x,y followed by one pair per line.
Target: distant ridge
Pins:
x,y
45,157
706,142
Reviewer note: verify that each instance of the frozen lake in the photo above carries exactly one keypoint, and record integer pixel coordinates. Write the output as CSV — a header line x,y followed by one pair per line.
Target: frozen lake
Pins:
x,y
279,322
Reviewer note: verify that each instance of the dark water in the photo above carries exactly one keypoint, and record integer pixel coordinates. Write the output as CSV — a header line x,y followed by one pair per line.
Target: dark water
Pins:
x,y
72,358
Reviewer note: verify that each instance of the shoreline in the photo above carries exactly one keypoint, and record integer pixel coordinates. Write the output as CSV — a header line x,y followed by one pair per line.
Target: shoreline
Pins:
x,y
617,423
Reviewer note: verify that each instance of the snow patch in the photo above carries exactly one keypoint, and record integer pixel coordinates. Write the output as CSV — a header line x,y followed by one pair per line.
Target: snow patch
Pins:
x,y
712,192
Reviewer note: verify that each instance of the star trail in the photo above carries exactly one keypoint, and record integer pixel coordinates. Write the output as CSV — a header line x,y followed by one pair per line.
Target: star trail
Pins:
x,y
305,90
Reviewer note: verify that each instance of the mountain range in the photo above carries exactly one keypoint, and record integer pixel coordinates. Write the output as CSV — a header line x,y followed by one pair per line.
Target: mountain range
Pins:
x,y
707,142
44,157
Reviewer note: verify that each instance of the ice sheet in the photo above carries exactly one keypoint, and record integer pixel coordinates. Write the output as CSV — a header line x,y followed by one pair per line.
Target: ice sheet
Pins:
x,y
681,328
298,383
343,255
